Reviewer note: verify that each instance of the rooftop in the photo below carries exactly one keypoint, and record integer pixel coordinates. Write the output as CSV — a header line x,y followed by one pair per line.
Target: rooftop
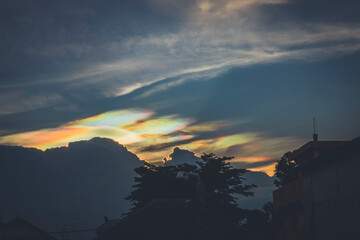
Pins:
x,y
312,149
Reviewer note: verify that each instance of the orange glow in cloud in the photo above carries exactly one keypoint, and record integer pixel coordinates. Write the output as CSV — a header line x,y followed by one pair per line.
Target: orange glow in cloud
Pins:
x,y
125,126
268,169
138,129
251,159
104,125
44,138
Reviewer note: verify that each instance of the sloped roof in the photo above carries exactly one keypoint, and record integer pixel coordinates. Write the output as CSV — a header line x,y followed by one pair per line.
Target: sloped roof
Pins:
x,y
341,153
315,145
19,229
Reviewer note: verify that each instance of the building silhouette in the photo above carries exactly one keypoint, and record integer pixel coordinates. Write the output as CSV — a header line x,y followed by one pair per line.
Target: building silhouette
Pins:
x,y
323,202
19,229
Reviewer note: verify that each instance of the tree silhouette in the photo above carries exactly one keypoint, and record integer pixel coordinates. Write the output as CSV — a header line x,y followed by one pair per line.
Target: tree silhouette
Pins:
x,y
285,170
221,184
160,182
268,210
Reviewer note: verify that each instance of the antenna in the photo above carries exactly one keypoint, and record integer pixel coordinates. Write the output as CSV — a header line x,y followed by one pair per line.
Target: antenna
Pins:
x,y
315,135
315,125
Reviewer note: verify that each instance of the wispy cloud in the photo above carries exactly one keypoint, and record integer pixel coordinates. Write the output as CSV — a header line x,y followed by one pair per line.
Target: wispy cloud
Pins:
x,y
211,37
20,101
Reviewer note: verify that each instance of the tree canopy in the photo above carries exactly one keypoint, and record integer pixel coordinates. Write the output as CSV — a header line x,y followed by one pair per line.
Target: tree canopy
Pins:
x,y
221,184
285,170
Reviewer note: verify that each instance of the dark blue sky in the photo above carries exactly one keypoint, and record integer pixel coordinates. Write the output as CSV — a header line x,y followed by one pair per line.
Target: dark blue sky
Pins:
x,y
258,67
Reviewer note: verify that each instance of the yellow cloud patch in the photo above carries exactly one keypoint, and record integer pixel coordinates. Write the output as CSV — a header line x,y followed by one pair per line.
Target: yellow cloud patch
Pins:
x,y
163,125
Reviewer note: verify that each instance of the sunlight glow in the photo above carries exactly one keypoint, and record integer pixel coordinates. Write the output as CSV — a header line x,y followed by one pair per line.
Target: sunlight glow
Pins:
x,y
268,169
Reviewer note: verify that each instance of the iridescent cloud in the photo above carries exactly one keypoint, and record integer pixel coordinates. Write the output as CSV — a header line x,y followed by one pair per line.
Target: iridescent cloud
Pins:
x,y
113,118
133,127
162,125
138,129
107,124
207,127
247,148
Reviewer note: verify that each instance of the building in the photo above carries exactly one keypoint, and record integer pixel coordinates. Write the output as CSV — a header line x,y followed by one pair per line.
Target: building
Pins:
x,y
323,202
19,229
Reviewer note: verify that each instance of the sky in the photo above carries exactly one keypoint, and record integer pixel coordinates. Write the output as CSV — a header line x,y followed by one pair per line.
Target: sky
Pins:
x,y
241,78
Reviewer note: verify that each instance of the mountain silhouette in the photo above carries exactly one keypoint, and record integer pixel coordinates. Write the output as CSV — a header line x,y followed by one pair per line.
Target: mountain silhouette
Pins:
x,y
76,186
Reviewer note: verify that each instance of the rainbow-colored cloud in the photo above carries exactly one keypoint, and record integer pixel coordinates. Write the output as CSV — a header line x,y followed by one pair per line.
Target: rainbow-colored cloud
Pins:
x,y
138,129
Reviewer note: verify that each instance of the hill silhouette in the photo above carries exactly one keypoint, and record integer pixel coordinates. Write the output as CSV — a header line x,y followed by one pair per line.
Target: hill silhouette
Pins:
x,y
74,185
78,185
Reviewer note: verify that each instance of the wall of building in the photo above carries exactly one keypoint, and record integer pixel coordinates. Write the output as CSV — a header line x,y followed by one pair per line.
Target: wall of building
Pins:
x,y
332,199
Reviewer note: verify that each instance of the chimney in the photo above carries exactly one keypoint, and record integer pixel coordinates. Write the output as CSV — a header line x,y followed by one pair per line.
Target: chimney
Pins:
x,y
315,137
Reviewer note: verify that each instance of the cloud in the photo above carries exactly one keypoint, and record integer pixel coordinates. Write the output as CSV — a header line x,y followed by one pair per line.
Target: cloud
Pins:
x,y
181,156
252,150
137,128
253,162
128,126
208,38
84,181
165,146
106,125
151,137
202,46
20,101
